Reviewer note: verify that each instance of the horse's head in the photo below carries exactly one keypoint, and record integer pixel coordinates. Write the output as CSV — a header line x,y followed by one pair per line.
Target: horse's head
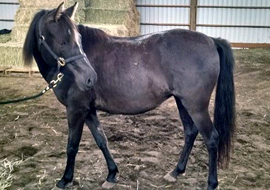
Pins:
x,y
59,43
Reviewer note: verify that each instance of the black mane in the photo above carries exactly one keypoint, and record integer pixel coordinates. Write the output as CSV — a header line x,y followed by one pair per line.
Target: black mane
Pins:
x,y
31,39
90,36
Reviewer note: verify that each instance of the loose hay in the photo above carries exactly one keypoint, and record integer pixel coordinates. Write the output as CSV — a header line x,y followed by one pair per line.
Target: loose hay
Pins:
x,y
6,169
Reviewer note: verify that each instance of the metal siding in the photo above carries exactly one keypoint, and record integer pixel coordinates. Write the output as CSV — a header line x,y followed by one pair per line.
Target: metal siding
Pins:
x,y
146,29
254,3
8,11
163,2
6,25
233,16
225,16
162,15
9,1
238,34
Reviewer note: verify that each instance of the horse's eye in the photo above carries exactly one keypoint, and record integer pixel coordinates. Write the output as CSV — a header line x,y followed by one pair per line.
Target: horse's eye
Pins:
x,y
63,43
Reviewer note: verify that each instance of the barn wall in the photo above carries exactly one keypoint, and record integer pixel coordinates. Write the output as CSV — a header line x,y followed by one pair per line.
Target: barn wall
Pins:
x,y
155,18
8,10
239,21
246,25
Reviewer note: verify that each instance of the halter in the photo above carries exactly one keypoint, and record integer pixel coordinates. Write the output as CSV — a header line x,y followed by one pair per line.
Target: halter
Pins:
x,y
60,60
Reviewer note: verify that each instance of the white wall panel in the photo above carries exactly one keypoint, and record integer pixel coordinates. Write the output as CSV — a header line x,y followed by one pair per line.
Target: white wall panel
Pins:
x,y
7,11
163,2
6,25
258,3
164,15
226,16
146,29
238,34
212,16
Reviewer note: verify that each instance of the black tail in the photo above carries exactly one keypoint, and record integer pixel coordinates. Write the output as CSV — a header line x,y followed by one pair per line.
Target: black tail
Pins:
x,y
224,116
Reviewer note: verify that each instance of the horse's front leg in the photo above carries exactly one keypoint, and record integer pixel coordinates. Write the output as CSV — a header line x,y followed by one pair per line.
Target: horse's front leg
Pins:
x,y
96,129
76,119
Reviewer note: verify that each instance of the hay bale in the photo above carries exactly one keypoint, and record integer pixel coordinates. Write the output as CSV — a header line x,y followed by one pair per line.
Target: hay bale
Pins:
x,y
106,16
19,33
25,15
11,55
5,38
113,12
127,17
42,4
112,4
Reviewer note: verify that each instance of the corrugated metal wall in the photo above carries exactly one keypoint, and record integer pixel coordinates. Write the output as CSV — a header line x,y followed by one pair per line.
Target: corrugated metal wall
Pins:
x,y
239,21
242,25
8,10
155,18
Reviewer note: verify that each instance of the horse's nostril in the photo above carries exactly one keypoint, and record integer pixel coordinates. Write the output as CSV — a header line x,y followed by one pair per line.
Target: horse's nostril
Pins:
x,y
89,82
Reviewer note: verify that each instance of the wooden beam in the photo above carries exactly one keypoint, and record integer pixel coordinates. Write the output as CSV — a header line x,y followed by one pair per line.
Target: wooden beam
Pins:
x,y
236,26
250,45
232,7
164,6
193,15
163,24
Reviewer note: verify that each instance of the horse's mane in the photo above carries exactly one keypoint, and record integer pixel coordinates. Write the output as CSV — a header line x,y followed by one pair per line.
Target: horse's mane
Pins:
x,y
30,43
90,36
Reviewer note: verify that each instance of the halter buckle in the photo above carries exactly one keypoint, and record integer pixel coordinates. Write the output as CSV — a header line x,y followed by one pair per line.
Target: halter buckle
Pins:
x,y
61,61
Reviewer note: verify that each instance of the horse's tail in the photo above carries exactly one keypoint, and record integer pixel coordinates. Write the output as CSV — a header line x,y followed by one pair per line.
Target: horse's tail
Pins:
x,y
224,114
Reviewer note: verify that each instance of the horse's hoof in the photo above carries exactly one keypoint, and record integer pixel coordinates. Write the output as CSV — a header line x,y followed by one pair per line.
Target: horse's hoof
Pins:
x,y
168,177
63,185
108,185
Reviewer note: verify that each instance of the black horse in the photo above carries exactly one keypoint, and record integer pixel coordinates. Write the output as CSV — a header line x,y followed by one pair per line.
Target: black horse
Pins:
x,y
132,76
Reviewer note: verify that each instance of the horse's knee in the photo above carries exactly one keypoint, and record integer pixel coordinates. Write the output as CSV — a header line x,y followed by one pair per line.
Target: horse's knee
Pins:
x,y
190,135
212,143
71,151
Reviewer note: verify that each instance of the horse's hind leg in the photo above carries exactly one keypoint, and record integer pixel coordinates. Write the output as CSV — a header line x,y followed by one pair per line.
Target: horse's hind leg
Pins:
x,y
101,140
191,133
202,121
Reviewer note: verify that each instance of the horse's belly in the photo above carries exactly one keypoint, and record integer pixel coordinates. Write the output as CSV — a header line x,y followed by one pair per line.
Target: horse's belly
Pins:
x,y
130,104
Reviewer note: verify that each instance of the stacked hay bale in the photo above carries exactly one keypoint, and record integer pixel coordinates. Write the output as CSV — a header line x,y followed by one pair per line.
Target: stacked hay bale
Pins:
x,y
11,51
116,17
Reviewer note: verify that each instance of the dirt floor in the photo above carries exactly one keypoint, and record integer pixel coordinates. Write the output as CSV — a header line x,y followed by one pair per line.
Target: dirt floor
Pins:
x,y
145,146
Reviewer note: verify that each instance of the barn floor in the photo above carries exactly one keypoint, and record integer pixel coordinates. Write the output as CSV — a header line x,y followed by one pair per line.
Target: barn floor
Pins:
x,y
145,146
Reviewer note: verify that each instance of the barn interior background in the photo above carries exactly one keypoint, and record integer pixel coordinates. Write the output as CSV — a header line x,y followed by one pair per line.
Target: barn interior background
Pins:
x,y
245,23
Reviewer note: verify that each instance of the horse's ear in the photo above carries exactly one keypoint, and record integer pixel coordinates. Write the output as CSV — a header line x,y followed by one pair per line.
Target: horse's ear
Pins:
x,y
72,10
58,11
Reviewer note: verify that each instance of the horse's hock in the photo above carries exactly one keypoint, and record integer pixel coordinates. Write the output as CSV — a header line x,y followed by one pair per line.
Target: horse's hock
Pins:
x,y
115,17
